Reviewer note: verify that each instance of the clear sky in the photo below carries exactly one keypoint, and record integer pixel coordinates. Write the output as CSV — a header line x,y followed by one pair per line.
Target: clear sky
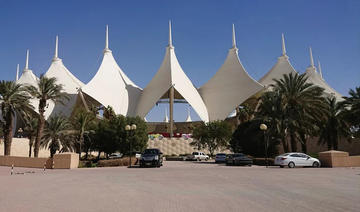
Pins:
x,y
201,36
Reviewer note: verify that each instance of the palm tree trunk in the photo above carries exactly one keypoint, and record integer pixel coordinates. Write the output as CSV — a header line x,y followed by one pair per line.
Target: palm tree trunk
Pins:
x,y
39,132
293,142
285,145
31,143
52,152
81,141
8,133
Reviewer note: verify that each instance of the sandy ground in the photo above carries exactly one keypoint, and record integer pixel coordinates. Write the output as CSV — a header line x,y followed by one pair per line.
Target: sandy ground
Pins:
x,y
181,186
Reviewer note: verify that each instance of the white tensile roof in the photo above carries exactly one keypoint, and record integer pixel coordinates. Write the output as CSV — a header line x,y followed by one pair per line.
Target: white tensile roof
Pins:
x,y
28,78
316,78
57,69
229,87
111,87
170,74
282,67
70,83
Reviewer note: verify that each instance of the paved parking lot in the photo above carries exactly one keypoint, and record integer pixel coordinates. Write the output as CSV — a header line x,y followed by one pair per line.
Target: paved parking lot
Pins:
x,y
181,186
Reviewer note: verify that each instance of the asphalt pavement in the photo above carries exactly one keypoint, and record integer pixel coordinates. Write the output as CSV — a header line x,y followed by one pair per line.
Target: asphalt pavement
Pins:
x,y
181,186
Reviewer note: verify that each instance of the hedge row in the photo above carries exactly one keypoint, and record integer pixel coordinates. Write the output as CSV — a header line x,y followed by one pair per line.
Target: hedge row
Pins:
x,y
116,162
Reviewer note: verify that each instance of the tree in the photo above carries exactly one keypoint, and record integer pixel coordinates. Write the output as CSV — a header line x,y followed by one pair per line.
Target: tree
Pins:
x,y
81,123
212,136
55,134
334,125
46,90
301,103
245,113
249,139
110,135
272,113
13,99
30,129
352,111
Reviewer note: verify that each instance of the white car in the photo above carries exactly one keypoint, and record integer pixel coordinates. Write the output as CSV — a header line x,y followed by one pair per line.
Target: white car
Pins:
x,y
199,156
294,159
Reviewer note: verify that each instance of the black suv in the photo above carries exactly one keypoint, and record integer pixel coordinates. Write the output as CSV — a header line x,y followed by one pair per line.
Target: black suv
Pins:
x,y
151,157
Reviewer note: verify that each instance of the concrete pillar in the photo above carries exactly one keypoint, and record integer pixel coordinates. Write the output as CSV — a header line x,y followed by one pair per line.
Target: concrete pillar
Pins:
x,y
171,110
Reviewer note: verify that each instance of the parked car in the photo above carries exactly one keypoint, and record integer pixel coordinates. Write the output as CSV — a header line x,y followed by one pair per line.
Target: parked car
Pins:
x,y
220,158
294,159
238,159
199,156
115,155
151,157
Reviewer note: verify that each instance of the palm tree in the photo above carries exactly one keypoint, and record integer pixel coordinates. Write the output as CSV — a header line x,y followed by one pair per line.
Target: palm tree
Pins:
x,y
30,129
352,106
270,110
81,122
13,99
244,113
301,102
55,134
334,125
46,90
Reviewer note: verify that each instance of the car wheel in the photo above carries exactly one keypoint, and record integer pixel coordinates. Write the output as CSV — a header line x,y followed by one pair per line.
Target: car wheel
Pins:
x,y
249,165
281,166
291,165
316,164
206,159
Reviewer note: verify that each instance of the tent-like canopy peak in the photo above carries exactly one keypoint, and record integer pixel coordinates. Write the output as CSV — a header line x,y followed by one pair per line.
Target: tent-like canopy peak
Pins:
x,y
229,87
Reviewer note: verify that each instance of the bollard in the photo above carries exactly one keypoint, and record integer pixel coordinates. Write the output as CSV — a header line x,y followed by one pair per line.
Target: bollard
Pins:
x,y
44,167
12,169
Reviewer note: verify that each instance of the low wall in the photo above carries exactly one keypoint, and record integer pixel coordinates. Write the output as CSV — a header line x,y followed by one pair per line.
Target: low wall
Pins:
x,y
66,161
60,161
338,159
25,162
175,146
20,147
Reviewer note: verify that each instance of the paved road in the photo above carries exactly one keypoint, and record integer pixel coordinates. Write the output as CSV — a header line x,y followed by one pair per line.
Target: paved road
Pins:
x,y
181,186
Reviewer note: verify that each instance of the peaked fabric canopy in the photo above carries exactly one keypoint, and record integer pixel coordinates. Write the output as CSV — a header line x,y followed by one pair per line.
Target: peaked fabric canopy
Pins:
x,y
171,74
316,78
111,87
28,78
282,67
188,118
70,83
229,87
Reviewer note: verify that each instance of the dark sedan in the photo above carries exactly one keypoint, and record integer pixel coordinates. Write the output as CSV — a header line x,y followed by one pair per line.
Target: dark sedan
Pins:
x,y
238,159
151,157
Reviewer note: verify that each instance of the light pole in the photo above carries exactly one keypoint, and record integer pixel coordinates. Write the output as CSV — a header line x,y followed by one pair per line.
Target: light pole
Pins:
x,y
129,128
20,131
263,127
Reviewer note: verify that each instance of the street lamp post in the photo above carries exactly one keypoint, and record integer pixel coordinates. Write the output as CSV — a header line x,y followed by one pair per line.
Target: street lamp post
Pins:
x,y
129,128
263,127
20,131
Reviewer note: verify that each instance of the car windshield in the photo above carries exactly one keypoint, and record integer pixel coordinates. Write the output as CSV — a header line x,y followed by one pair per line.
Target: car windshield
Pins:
x,y
221,154
151,151
195,153
239,155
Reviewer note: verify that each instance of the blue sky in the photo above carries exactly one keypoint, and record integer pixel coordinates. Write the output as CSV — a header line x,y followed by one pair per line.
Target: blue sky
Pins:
x,y
201,36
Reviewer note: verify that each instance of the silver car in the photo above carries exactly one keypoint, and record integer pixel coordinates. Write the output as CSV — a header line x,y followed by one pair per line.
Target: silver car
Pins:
x,y
220,158
294,159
